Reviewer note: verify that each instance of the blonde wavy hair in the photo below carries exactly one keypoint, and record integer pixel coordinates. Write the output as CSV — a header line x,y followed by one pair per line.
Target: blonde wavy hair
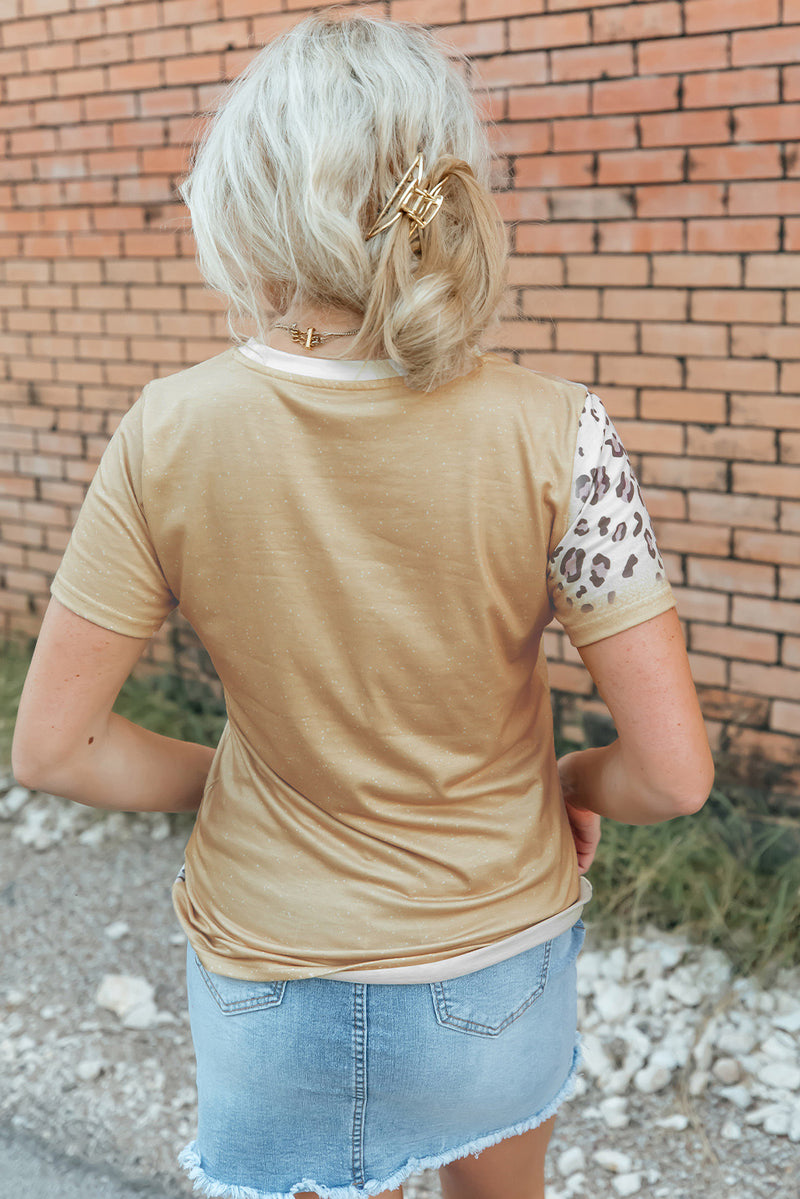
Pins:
x,y
300,156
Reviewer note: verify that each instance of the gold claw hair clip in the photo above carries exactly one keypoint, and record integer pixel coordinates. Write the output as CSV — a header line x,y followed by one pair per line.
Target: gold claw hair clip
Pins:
x,y
411,199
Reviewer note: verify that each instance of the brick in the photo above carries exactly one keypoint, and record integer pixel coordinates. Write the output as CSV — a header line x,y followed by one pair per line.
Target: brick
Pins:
x,y
550,304
772,412
757,546
600,270
639,166
732,305
789,519
748,578
645,304
693,539
696,270
740,445
789,583
482,37
666,504
704,15
686,128
790,448
30,87
767,123
733,707
130,17
568,366
780,481
554,237
184,12
636,370
590,204
520,137
683,54
657,338
635,95
523,335
733,510
791,83
777,615
715,374
97,51
563,676
707,474
166,101
771,681
553,100
747,644
777,196
158,43
591,62
194,68
680,199
791,241
553,170
626,22
694,604
682,405
764,341
641,237
790,377
785,717
721,235
707,670
513,70
761,46
24,33
547,32
477,9
735,162
594,133
755,85
608,336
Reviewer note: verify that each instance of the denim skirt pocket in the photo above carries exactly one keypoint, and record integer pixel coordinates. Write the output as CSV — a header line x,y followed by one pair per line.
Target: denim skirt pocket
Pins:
x,y
488,1001
235,995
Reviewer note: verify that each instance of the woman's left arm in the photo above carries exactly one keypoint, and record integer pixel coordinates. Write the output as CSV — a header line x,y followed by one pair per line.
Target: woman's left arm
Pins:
x,y
68,741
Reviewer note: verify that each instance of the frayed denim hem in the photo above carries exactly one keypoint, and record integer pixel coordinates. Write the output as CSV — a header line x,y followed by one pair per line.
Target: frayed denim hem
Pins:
x,y
189,1159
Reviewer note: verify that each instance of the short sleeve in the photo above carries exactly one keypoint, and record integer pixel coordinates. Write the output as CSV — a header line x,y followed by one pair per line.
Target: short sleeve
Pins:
x,y
606,574
110,573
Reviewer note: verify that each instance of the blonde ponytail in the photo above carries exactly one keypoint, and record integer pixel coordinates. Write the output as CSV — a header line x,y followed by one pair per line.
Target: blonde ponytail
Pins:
x,y
304,150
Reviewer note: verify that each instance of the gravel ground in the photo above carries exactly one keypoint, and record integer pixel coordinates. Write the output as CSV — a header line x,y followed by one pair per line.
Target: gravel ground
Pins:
x,y
85,895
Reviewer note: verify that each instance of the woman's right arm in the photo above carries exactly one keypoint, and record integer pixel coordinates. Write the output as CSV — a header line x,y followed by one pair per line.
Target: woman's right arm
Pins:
x,y
660,766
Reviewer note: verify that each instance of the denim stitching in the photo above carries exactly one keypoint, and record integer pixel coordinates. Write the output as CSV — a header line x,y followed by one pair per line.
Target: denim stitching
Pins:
x,y
444,1016
360,1071
272,999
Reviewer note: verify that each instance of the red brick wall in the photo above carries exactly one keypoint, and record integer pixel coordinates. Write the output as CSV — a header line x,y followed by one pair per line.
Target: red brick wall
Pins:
x,y
653,188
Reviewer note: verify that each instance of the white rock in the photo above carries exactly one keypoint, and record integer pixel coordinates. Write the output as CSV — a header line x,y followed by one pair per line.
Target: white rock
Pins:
x,y
117,930
652,1079
794,1125
614,1002
739,1096
789,1021
130,998
777,1123
15,798
571,1161
594,1057
614,1111
736,1041
782,1075
676,1123
160,826
614,965
731,1131
90,1068
94,835
684,991
15,997
627,1184
779,1046
670,953
763,1113
727,1070
613,1160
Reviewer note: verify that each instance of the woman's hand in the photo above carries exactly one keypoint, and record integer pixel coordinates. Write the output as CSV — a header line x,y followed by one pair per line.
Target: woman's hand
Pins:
x,y
585,825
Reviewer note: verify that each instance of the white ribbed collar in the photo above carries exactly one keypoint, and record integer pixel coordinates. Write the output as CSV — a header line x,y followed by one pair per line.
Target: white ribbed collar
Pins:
x,y
321,368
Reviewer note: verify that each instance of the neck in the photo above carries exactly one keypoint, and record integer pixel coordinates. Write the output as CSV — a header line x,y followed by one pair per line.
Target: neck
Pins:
x,y
321,320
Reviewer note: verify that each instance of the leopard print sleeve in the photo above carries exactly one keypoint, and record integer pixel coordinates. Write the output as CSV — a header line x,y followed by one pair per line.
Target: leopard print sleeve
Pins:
x,y
606,573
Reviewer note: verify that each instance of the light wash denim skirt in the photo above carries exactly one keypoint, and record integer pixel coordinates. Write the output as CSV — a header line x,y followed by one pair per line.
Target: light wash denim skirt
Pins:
x,y
347,1088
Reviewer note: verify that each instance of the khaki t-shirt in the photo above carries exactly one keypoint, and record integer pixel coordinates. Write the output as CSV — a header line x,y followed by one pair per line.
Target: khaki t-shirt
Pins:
x,y
371,570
